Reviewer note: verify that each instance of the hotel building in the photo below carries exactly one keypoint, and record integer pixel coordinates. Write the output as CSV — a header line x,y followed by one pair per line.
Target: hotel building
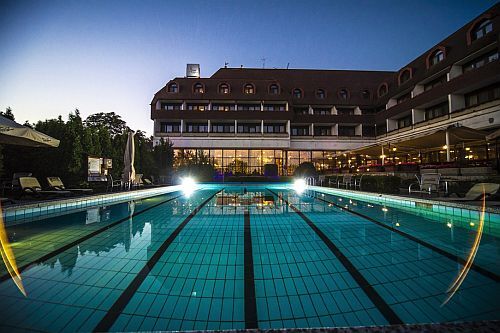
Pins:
x,y
240,119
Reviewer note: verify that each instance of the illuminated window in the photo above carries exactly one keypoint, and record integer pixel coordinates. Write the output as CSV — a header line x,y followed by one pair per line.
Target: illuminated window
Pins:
x,y
297,93
173,88
320,93
274,89
249,89
223,88
482,29
343,94
198,88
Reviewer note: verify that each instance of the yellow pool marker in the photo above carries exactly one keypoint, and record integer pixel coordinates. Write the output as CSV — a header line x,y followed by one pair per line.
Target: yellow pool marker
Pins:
x,y
8,256
470,259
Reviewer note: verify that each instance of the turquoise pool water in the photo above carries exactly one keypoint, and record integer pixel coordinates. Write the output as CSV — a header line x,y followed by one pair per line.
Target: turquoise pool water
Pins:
x,y
246,257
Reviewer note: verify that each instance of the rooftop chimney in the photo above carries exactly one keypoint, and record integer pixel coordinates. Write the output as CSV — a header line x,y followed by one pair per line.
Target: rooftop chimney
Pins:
x,y
193,70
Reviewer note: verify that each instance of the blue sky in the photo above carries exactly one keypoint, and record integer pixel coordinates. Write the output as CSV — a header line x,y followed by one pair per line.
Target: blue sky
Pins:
x,y
102,56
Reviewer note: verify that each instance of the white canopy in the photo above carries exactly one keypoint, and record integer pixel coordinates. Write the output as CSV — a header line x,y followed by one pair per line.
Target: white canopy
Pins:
x,y
13,133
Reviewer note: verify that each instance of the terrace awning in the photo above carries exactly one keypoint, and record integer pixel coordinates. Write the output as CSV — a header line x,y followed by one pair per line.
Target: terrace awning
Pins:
x,y
426,140
494,135
12,133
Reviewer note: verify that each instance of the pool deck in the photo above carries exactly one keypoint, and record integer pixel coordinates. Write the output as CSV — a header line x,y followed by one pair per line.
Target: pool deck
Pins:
x,y
466,327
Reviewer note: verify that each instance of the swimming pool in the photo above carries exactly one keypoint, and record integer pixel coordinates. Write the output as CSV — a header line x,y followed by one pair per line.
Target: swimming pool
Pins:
x,y
247,257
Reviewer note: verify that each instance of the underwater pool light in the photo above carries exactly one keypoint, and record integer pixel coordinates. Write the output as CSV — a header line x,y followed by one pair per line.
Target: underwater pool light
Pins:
x,y
188,186
299,185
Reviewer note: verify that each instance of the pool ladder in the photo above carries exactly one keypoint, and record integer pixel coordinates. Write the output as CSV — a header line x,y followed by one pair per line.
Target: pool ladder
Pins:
x,y
311,181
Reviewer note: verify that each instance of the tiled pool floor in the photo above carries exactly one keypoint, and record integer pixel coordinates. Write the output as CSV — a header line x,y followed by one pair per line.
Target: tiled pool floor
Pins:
x,y
176,263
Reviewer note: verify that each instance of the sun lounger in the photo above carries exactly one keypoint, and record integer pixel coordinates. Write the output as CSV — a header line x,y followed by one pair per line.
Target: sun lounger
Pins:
x,y
56,184
477,191
30,185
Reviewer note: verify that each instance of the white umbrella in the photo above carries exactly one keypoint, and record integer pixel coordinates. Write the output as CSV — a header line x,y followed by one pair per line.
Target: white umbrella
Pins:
x,y
128,160
13,133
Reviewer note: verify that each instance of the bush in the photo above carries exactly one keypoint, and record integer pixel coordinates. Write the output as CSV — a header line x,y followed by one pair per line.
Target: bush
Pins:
x,y
305,169
270,170
381,184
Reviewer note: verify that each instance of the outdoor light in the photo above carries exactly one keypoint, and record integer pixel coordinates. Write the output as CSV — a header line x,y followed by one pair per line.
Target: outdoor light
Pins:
x,y
394,149
445,147
188,186
448,225
299,185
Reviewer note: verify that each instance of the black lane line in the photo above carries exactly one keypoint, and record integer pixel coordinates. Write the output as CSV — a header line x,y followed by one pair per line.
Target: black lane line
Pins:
x,y
483,271
60,250
119,305
376,299
250,301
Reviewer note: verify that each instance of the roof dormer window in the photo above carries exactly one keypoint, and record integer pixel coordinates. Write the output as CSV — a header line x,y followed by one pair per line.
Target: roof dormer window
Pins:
x,y
198,88
297,93
173,87
482,28
320,94
249,89
223,88
274,89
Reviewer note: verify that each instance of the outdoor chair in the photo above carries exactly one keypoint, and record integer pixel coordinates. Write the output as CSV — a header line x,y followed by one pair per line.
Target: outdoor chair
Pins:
x,y
138,180
477,191
113,183
427,183
55,183
333,181
346,181
357,182
31,186
13,184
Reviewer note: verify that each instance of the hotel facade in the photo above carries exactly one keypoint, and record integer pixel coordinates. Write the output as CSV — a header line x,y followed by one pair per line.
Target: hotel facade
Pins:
x,y
240,119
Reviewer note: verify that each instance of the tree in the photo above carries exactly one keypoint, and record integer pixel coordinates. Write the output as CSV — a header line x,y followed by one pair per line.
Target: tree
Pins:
x,y
8,113
111,121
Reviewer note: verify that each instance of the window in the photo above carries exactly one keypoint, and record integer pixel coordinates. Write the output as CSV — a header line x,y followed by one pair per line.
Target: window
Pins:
x,y
249,89
274,89
380,129
404,122
347,130
222,128
274,128
435,83
482,95
171,106
481,61
484,27
223,88
368,131
197,107
345,111
436,111
173,87
404,76
322,130
196,128
274,107
171,127
382,90
343,94
223,107
198,88
297,93
436,57
249,128
301,111
300,130
248,107
320,94
322,111
366,94
403,98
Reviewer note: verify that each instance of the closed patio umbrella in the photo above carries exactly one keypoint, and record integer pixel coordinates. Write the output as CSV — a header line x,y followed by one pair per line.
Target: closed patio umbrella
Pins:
x,y
13,133
128,160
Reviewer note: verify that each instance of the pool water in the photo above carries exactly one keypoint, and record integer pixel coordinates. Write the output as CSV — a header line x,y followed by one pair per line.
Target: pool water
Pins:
x,y
245,257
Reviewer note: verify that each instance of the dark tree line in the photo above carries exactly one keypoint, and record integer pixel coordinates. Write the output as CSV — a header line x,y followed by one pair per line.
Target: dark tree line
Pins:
x,y
100,134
